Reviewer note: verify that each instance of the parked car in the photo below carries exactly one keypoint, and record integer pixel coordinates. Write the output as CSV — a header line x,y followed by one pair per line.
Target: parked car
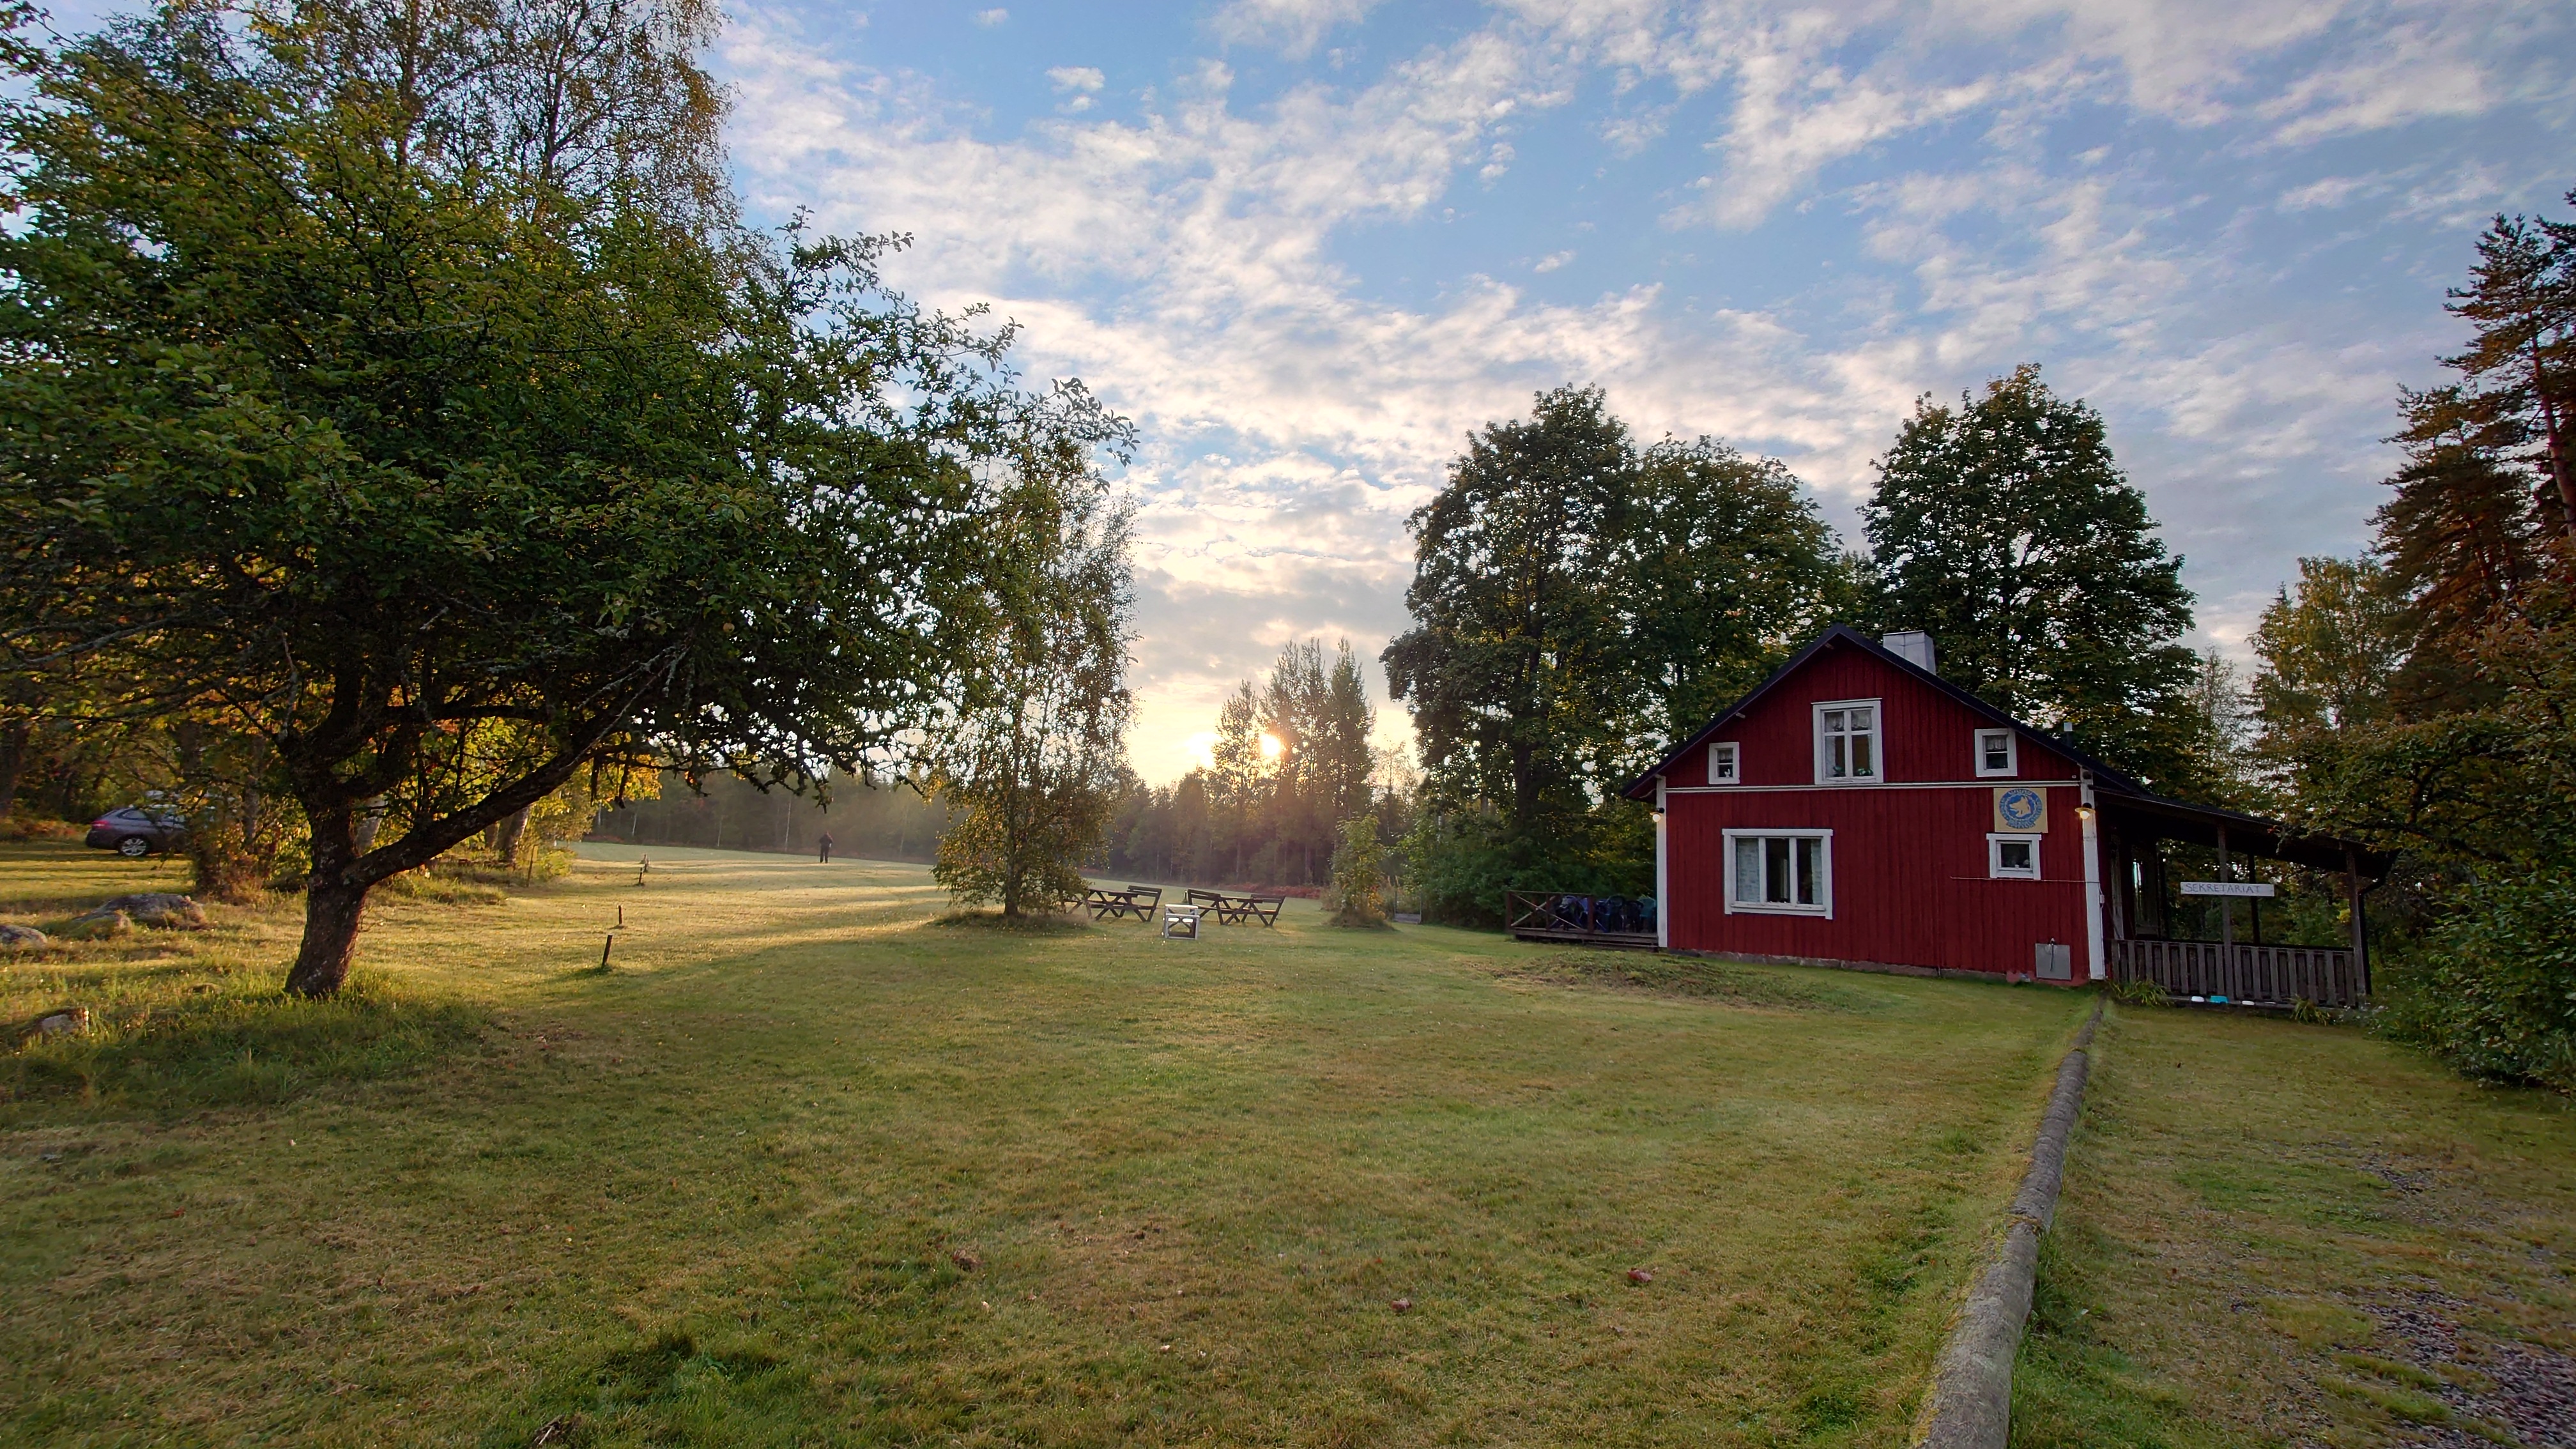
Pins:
x,y
135,832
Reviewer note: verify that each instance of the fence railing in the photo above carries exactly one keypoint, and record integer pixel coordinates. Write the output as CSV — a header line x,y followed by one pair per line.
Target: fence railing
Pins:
x,y
1594,920
2318,975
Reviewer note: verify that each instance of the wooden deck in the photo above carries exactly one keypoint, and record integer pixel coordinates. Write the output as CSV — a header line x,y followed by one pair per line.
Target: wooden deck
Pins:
x,y
2258,975
1539,916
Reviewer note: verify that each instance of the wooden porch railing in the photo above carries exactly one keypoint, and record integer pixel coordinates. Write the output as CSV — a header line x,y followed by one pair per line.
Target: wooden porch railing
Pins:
x,y
2277,975
1554,916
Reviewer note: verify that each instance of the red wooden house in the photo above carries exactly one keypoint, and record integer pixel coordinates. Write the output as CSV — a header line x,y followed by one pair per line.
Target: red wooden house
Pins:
x,y
1857,809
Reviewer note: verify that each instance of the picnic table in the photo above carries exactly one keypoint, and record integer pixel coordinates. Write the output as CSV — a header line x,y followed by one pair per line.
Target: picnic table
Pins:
x,y
1239,910
1110,903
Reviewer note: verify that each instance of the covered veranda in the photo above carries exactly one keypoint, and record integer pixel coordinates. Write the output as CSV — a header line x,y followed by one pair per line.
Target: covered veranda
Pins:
x,y
2148,936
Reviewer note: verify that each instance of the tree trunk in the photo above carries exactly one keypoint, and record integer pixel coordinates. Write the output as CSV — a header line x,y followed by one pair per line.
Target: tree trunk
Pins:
x,y
331,911
512,830
371,819
335,894
13,759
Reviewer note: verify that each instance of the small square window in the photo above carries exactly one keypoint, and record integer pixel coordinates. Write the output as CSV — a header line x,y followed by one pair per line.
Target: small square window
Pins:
x,y
1724,764
2013,857
1995,753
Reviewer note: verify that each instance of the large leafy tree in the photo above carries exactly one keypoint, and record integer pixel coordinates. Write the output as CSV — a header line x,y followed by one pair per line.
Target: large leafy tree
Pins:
x,y
1728,570
1515,666
2003,527
343,408
1578,602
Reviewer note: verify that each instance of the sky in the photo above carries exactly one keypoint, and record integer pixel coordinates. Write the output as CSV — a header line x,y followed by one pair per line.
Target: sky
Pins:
x,y
1308,245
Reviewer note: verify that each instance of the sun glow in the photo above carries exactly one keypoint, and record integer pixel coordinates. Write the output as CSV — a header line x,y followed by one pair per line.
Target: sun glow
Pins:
x,y
1272,747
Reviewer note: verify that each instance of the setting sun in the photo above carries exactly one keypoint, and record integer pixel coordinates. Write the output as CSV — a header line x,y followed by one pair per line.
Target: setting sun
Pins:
x,y
1272,747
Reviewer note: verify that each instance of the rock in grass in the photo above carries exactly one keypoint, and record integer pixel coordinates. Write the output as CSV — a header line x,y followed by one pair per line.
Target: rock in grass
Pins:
x,y
62,1021
966,1262
23,938
96,926
1640,1275
157,908
1402,1305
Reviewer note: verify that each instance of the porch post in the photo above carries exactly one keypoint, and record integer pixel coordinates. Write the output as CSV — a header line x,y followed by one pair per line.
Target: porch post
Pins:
x,y
2360,936
2226,907
1663,878
2094,968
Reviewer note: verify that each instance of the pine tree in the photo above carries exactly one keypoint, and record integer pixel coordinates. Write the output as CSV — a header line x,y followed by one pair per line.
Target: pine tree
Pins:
x,y
2521,363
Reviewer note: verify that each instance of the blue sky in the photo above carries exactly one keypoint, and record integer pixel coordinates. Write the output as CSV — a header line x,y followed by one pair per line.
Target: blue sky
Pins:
x,y
1309,244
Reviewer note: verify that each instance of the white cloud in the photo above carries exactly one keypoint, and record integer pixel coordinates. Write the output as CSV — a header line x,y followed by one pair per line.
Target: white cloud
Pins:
x,y
989,19
1190,263
1292,27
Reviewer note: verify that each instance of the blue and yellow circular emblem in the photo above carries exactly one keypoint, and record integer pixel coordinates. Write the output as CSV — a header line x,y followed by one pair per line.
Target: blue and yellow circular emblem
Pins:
x,y
2020,807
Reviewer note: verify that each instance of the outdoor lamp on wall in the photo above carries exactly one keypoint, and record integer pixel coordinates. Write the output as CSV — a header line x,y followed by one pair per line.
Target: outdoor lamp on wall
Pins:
x,y
2083,812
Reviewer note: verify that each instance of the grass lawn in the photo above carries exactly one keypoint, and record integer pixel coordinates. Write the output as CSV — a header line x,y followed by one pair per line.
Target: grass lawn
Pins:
x,y
2276,1233
806,1167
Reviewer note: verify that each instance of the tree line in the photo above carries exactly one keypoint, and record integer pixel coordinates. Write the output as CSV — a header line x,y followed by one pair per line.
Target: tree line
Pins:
x,y
404,442
2422,696
1581,600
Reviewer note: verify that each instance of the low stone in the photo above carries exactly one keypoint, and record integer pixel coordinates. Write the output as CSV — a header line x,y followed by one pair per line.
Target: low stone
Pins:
x,y
157,908
1640,1275
966,1262
1402,1305
70,1021
23,938
96,926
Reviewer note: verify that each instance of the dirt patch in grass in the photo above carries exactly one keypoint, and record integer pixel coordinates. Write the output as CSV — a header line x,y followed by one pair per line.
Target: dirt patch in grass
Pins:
x,y
1692,977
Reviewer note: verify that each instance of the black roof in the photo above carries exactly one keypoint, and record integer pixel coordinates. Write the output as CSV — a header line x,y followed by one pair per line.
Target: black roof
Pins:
x,y
2179,818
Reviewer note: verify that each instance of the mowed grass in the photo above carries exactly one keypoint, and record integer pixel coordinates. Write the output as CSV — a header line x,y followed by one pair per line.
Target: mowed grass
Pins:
x,y
806,1167
2276,1233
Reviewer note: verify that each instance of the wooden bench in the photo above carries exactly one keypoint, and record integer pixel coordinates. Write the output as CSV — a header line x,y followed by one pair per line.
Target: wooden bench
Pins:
x,y
1107,904
1239,910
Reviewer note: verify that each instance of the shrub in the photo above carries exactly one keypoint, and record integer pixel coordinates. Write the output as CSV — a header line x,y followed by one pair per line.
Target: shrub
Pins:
x,y
2495,995
1359,875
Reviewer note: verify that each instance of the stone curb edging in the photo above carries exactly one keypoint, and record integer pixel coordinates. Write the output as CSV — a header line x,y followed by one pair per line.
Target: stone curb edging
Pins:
x,y
1971,1404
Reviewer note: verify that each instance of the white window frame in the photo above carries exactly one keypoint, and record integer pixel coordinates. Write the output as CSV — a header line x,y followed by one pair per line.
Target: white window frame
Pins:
x,y
2012,753
1876,734
1995,841
1824,906
1734,757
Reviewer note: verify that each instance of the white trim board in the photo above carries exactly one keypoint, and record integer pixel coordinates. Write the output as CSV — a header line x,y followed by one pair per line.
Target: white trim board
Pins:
x,y
1865,785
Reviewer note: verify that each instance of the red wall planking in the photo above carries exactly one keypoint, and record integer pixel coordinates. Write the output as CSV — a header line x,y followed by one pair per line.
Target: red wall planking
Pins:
x,y
1910,880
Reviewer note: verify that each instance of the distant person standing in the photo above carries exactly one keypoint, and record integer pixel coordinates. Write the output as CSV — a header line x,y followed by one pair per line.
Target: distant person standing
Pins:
x,y
824,843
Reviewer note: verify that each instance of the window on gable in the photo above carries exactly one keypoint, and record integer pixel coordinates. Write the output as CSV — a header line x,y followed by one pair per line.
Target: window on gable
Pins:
x,y
1847,741
2012,857
1780,872
1995,753
1724,767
